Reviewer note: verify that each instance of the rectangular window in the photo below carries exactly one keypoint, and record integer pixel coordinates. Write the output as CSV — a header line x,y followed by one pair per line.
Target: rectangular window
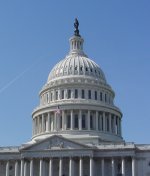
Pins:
x,y
95,95
89,94
101,96
62,94
76,93
76,124
83,94
69,94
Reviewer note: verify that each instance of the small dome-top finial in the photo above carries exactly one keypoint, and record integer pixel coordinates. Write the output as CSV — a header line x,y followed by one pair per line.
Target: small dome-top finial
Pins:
x,y
76,25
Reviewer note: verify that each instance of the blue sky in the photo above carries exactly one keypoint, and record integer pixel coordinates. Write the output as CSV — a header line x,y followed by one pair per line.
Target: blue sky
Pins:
x,y
34,37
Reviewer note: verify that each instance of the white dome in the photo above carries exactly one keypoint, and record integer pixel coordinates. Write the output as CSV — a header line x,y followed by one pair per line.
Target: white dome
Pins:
x,y
77,65
76,102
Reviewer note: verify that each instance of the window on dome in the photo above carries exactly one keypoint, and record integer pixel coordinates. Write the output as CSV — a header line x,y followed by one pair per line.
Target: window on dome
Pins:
x,y
107,124
56,95
89,94
95,71
76,93
47,97
102,124
70,69
62,94
45,122
101,96
83,121
78,45
76,67
51,96
86,69
76,121
91,70
68,121
60,121
105,97
83,94
69,94
95,95
81,68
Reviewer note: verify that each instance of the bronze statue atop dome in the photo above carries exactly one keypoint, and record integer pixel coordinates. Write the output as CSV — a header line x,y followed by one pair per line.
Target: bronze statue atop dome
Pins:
x,y
76,25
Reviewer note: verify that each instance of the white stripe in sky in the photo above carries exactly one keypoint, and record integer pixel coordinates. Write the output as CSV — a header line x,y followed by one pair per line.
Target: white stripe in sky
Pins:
x,y
19,76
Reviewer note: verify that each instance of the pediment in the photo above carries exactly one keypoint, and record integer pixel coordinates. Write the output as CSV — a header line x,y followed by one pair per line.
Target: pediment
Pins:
x,y
54,143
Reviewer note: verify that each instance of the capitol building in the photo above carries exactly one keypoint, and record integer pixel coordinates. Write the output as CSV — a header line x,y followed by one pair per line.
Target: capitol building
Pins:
x,y
76,128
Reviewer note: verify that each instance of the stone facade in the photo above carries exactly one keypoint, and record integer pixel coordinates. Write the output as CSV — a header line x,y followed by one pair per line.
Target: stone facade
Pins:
x,y
76,127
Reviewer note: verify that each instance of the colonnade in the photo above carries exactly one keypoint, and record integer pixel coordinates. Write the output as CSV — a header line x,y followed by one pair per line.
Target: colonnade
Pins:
x,y
21,168
76,120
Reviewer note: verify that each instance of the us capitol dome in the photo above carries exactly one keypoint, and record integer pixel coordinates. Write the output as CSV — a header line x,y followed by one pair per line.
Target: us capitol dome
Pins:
x,y
77,102
76,126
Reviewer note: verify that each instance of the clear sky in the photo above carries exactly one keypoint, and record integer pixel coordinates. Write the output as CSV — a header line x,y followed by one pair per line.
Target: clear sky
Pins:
x,y
34,37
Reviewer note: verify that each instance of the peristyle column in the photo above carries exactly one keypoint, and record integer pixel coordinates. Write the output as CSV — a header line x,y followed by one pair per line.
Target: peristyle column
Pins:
x,y
88,120
49,121
71,115
97,120
104,124
80,119
110,129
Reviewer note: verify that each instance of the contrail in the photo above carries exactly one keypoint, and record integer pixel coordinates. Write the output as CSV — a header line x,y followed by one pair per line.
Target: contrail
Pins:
x,y
18,77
